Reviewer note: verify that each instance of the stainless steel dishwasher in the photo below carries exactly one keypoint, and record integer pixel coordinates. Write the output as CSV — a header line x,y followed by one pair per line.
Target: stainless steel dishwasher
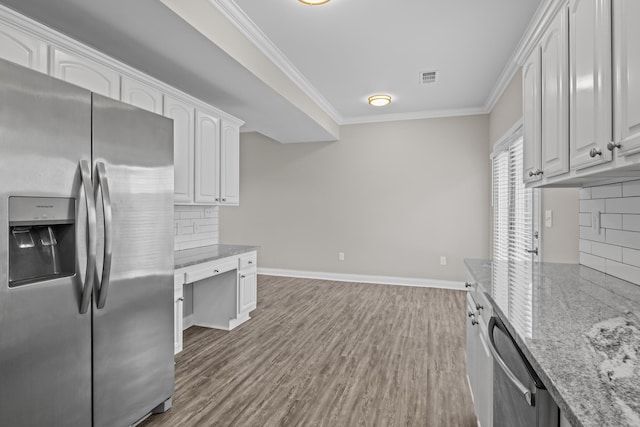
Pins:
x,y
519,397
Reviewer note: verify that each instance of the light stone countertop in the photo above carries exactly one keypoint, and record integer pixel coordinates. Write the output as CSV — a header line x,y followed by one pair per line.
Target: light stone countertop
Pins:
x,y
583,340
189,257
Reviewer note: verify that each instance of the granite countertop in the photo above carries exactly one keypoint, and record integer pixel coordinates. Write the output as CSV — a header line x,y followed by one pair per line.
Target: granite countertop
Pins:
x,y
188,257
582,339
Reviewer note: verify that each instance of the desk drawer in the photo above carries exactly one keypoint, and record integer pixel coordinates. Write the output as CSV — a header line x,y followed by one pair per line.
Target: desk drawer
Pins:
x,y
210,270
248,260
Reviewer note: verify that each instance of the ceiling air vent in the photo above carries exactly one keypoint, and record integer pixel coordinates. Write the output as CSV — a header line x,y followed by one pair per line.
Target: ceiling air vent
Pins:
x,y
427,77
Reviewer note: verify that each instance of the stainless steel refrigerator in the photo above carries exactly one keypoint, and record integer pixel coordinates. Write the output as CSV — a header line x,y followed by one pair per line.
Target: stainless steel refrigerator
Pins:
x,y
86,255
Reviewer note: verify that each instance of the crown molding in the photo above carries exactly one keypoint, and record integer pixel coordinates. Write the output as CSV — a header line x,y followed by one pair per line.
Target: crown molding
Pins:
x,y
415,116
250,30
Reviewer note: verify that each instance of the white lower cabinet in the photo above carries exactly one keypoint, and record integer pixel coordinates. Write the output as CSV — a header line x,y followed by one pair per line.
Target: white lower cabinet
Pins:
x,y
178,312
247,284
479,361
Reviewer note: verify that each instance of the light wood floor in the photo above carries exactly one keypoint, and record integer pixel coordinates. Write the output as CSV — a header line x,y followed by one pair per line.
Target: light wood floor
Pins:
x,y
322,353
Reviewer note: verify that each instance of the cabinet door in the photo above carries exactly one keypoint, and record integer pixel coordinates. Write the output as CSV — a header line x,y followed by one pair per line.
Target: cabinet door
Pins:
x,y
15,46
183,125
207,175
472,338
141,95
532,148
230,165
85,73
247,291
555,111
590,115
177,319
484,378
626,54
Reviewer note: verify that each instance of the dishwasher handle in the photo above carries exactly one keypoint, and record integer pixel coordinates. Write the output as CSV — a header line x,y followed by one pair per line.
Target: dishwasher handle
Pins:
x,y
526,393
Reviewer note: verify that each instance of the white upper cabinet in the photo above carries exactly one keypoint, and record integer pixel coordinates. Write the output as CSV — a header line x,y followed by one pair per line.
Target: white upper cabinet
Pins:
x,y
141,95
23,49
555,91
590,117
230,164
85,73
207,149
626,35
532,148
183,144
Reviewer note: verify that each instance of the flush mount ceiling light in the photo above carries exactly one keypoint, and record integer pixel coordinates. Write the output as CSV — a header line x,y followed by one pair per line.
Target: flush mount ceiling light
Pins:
x,y
379,100
314,2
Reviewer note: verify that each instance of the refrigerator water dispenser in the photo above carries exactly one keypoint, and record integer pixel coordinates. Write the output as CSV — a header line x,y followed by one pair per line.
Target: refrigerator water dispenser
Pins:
x,y
41,239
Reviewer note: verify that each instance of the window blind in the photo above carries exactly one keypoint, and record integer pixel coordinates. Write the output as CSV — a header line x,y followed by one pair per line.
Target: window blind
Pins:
x,y
513,223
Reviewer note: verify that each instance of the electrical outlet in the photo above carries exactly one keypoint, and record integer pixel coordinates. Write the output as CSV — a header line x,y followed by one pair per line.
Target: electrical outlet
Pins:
x,y
443,260
340,256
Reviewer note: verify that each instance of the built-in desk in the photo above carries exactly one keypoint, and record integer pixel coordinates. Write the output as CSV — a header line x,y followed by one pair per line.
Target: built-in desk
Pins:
x,y
224,279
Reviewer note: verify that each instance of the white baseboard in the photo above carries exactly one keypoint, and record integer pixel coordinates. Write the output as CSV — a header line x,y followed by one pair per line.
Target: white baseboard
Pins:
x,y
378,280
187,322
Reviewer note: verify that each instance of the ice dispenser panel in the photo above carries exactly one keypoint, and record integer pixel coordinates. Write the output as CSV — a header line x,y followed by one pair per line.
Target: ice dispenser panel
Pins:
x,y
41,239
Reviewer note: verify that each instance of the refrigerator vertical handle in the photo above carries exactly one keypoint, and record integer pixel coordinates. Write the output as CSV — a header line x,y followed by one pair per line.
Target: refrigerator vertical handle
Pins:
x,y
103,184
524,391
85,174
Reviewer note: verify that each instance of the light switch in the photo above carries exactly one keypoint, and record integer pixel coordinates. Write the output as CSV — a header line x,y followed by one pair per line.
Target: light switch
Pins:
x,y
548,218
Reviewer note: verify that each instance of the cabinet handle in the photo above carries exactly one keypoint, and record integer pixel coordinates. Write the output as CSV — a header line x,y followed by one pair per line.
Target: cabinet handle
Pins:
x,y
180,299
595,152
613,145
536,172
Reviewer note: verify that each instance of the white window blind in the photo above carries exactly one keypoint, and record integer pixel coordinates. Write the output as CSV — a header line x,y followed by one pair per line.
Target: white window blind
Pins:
x,y
513,223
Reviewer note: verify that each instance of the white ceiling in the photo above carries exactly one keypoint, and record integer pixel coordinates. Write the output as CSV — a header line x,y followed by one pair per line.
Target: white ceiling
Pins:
x,y
333,51
350,49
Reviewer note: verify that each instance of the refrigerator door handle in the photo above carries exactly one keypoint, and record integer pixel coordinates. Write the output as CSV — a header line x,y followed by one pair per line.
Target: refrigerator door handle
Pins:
x,y
85,174
526,393
103,184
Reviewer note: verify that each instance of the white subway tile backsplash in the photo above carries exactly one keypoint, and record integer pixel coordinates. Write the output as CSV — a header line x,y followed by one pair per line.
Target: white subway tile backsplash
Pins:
x,y
623,271
594,262
611,221
615,249
623,205
631,188
631,222
589,233
195,226
585,246
606,191
607,251
627,239
631,257
592,205
585,219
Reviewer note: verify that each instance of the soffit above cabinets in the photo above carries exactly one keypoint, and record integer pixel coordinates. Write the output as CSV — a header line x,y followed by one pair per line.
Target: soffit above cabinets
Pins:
x,y
295,72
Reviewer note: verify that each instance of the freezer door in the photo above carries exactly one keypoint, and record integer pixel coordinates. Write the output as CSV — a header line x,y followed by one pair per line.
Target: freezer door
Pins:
x,y
133,298
45,342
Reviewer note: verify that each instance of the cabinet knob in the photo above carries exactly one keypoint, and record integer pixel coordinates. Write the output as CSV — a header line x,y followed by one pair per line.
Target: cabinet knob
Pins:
x,y
613,145
224,200
249,262
242,276
180,299
468,284
217,199
216,271
532,251
479,307
474,322
595,152
470,314
536,172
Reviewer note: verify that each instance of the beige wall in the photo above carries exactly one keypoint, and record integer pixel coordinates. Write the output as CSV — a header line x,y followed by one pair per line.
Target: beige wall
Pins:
x,y
393,197
559,242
